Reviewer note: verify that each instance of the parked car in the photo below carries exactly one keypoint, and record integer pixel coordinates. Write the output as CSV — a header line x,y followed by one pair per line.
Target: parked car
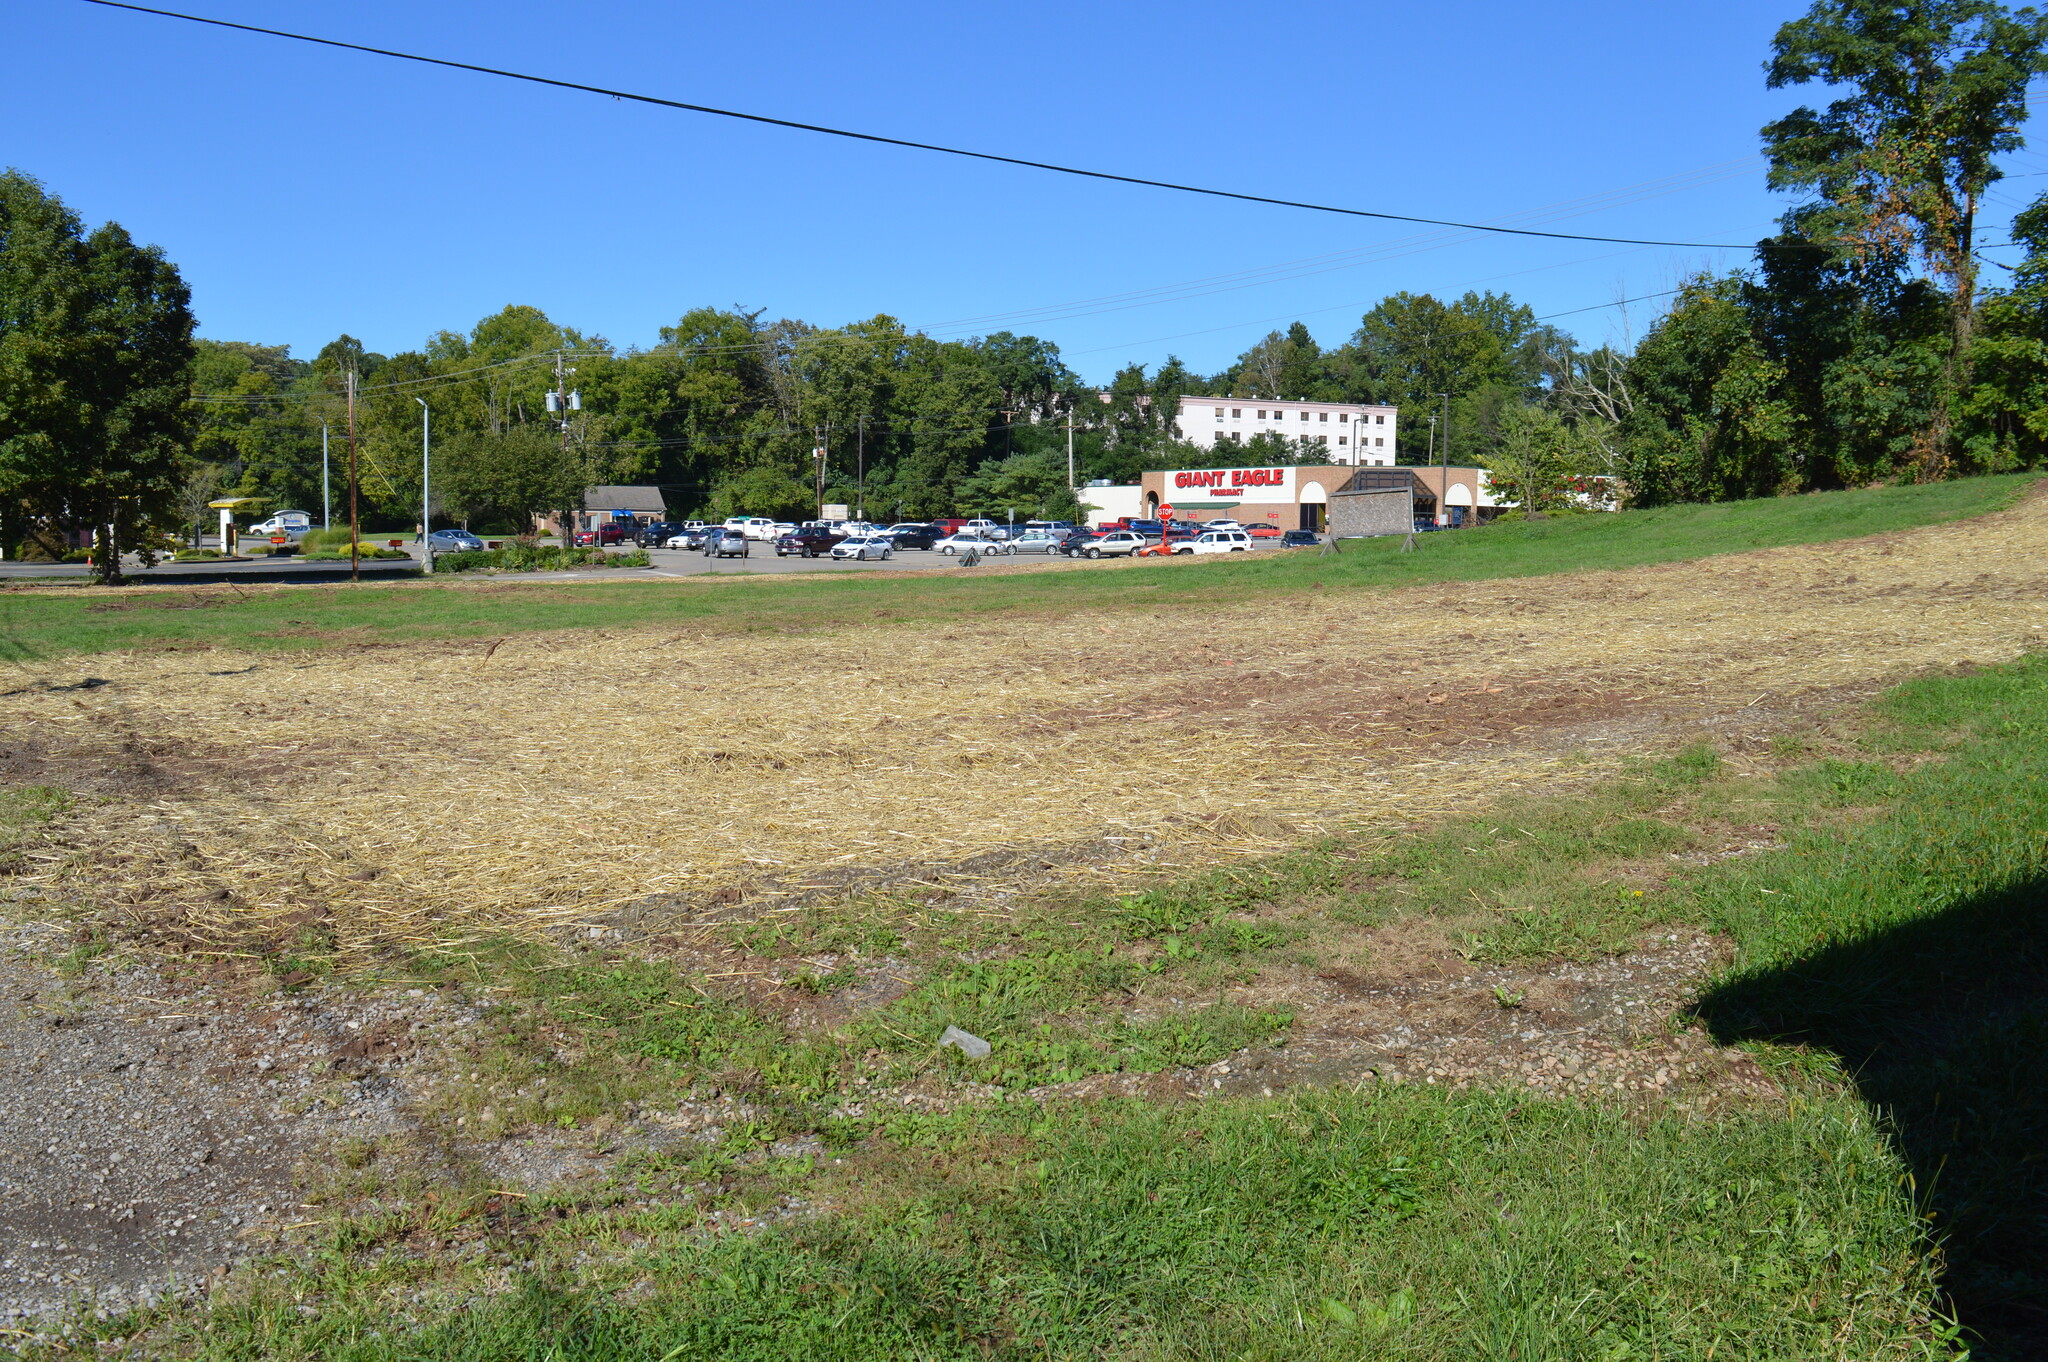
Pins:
x,y
1155,528
1263,531
726,542
453,541
971,539
1300,539
1073,541
615,533
913,535
862,547
1115,543
1180,529
752,526
691,537
808,542
946,525
1055,526
1217,541
990,529
1039,541
656,534
783,527
1225,524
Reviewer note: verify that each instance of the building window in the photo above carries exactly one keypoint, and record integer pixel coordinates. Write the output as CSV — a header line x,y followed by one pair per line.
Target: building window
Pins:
x,y
1219,413
1262,413
1342,417
1380,420
1304,416
1377,443
1236,412
1322,416
1340,439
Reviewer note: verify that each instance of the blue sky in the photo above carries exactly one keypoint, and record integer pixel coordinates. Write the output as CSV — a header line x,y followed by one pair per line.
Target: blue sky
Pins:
x,y
306,191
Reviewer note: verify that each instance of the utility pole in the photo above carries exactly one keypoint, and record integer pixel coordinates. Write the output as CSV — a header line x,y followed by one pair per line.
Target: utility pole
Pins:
x,y
1443,505
355,570
560,403
426,485
1007,414
860,454
818,457
326,500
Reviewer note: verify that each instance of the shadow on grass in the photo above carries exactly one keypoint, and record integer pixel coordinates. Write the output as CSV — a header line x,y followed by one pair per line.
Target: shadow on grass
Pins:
x,y
1943,1024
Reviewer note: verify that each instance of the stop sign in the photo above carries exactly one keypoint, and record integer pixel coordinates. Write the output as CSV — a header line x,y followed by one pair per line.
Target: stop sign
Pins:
x,y
1166,512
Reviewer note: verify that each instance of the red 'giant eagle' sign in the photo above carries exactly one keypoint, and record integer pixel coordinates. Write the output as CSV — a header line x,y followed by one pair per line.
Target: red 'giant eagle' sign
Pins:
x,y
1221,478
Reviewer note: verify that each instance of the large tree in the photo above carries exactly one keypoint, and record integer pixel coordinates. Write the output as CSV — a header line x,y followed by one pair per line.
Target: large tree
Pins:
x,y
1896,167
96,356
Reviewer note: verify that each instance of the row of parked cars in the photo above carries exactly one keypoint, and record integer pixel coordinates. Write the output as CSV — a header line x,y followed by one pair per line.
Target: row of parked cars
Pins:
x,y
866,541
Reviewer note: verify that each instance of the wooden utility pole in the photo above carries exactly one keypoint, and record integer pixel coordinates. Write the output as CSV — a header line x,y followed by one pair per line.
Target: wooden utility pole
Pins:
x,y
355,569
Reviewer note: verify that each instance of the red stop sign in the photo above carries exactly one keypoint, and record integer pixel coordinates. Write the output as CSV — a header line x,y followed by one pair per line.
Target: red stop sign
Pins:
x,y
1166,512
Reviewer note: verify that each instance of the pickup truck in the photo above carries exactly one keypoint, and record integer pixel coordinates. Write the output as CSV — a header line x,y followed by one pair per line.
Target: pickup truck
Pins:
x,y
809,542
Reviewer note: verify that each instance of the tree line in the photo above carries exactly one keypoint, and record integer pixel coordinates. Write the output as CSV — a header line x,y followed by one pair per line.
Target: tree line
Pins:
x,y
1862,344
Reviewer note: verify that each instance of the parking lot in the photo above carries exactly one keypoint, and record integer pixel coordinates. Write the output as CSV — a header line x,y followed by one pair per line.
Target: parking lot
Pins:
x,y
761,558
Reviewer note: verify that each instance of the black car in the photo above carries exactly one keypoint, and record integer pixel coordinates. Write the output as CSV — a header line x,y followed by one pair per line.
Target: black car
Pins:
x,y
659,533
1300,539
1076,540
912,536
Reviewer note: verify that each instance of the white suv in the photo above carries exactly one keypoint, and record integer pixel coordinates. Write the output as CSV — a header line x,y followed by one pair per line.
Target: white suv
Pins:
x,y
752,526
1116,541
1216,541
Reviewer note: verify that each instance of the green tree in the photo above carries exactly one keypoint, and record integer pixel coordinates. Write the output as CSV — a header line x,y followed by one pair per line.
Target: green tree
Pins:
x,y
1897,166
95,363
1709,420
505,480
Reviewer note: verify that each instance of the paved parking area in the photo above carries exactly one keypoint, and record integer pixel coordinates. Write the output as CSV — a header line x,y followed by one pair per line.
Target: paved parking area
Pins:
x,y
682,563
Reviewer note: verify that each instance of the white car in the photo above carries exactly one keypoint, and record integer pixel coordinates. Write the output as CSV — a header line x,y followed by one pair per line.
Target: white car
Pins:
x,y
783,527
1221,525
988,529
1037,541
971,539
752,526
1216,541
860,548
1114,543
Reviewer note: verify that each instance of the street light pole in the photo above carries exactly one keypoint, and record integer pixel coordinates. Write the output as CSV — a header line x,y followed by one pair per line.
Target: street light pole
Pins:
x,y
1443,505
326,499
426,485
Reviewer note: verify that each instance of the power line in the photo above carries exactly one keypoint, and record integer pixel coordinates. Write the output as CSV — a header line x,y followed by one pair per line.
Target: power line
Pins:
x,y
922,146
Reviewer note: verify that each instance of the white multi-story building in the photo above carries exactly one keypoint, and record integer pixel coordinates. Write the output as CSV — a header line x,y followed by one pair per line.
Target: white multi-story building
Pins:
x,y
1350,434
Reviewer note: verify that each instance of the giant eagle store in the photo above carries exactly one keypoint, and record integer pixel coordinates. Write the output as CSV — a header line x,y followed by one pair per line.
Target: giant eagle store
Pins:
x,y
1288,497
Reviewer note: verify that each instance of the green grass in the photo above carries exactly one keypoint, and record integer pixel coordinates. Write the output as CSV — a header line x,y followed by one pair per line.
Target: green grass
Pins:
x,y
40,625
1891,966
1406,1223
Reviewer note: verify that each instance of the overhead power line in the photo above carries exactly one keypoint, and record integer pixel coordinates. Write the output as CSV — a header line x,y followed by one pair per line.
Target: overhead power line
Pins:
x,y
925,146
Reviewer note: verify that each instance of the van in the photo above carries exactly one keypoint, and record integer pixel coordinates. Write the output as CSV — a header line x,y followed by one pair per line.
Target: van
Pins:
x,y
292,524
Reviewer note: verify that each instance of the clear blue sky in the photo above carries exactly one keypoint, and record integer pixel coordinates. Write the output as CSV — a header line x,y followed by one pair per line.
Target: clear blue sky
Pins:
x,y
307,191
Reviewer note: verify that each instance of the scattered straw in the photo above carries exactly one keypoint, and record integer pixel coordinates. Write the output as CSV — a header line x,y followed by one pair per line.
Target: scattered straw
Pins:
x,y
406,797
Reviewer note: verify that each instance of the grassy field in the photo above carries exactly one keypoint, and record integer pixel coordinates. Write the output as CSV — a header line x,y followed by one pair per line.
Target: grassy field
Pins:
x,y
42,622
1876,1192
1889,971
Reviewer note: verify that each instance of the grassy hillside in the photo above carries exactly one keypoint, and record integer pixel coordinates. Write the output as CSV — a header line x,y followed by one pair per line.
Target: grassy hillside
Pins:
x,y
41,623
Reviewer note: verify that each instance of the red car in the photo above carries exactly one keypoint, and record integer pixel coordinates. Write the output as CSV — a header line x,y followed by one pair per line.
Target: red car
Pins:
x,y
1263,531
604,534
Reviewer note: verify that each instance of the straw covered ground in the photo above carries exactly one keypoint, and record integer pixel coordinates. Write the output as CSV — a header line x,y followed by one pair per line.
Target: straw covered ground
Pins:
x,y
429,794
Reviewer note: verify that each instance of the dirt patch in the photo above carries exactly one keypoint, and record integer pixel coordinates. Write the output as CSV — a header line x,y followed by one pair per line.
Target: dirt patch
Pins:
x,y
1603,1029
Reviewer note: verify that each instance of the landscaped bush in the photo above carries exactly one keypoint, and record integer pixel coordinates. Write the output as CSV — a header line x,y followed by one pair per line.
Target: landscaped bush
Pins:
x,y
196,555
526,557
